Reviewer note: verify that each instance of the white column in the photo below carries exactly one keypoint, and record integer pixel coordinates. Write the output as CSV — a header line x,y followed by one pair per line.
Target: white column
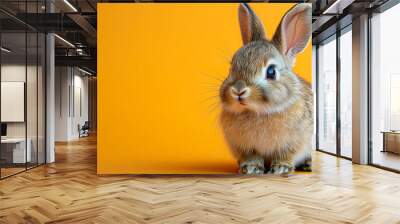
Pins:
x,y
50,100
360,90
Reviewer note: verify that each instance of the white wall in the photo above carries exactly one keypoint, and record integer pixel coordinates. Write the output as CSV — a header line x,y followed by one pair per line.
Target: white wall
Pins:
x,y
71,102
33,127
16,73
81,84
62,81
12,73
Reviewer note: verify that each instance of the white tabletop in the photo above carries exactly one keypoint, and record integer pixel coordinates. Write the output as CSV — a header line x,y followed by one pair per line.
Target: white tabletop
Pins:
x,y
13,140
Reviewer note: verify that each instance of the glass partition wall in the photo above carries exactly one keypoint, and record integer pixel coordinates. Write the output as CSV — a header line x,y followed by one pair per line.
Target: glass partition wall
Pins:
x,y
22,98
13,90
334,93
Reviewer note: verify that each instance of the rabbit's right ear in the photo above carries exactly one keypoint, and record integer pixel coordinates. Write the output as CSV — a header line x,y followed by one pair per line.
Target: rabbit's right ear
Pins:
x,y
294,31
251,27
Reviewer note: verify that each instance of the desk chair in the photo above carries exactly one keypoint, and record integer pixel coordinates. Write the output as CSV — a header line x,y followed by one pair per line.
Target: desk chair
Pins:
x,y
84,130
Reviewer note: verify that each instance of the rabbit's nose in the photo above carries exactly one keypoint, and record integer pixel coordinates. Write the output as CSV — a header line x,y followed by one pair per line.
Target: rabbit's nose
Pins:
x,y
241,93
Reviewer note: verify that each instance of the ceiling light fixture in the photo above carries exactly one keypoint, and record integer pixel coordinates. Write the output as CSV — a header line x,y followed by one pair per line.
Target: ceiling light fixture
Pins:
x,y
64,40
79,51
5,50
70,5
84,71
337,7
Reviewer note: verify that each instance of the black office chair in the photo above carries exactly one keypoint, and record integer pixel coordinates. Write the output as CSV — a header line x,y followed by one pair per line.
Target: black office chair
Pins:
x,y
84,130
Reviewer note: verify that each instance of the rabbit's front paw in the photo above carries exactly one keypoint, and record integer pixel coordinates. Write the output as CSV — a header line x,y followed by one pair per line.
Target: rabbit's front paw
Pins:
x,y
280,168
252,165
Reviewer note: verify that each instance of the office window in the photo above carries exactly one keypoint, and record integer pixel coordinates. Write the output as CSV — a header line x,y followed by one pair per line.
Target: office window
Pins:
x,y
385,89
327,96
346,93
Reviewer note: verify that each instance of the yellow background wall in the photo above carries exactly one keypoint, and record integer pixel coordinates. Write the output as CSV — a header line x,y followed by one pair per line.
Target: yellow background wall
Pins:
x,y
159,70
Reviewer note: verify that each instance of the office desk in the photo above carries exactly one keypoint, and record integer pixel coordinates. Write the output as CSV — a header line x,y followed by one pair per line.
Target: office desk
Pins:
x,y
391,141
13,150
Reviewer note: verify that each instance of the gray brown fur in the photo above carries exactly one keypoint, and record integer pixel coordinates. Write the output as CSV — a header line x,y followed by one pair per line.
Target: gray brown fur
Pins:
x,y
272,126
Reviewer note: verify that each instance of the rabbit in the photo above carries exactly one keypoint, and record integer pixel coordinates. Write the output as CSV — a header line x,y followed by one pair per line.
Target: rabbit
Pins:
x,y
267,110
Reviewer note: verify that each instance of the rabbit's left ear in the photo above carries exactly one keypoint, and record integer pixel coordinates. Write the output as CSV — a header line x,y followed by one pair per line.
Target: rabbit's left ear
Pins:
x,y
294,31
251,26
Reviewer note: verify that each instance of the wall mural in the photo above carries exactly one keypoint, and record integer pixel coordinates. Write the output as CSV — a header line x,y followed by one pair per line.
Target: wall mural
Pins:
x,y
207,88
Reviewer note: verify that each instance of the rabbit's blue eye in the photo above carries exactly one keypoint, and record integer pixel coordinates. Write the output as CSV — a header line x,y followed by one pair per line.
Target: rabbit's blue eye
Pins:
x,y
271,72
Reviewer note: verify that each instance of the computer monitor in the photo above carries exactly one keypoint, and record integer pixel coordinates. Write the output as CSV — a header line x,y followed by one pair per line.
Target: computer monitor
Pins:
x,y
3,129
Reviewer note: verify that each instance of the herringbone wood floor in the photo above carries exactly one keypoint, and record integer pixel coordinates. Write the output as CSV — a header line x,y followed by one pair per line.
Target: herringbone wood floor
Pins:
x,y
69,191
